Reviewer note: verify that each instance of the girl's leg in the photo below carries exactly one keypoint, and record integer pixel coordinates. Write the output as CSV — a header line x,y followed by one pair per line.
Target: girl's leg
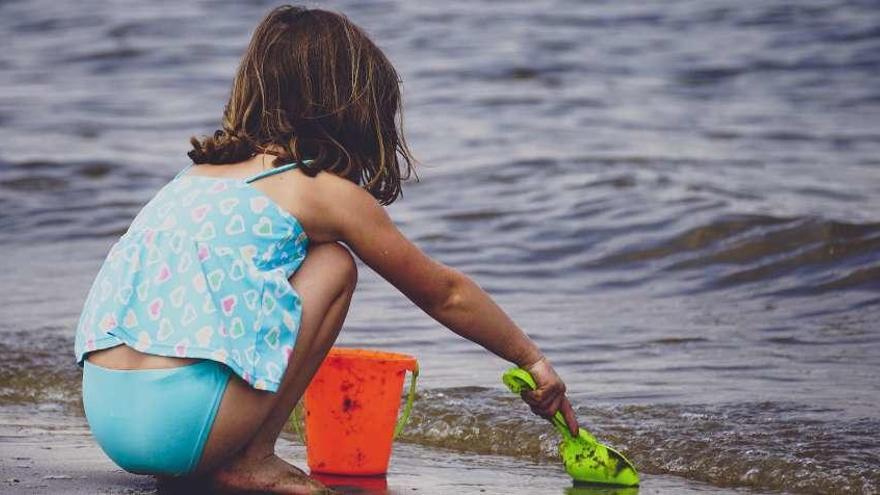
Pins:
x,y
241,446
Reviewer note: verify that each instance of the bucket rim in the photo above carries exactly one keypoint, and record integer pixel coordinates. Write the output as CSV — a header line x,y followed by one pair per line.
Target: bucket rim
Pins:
x,y
370,354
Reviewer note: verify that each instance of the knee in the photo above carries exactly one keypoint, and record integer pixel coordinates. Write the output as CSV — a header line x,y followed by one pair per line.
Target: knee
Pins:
x,y
345,263
337,256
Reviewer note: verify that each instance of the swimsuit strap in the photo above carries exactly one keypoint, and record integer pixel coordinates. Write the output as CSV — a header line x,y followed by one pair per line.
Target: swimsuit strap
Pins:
x,y
258,176
276,170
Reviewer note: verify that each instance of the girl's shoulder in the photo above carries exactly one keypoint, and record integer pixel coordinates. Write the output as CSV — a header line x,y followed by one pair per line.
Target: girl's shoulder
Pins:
x,y
327,204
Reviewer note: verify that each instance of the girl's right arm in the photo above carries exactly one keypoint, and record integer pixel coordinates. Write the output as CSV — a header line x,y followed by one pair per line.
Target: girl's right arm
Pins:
x,y
447,295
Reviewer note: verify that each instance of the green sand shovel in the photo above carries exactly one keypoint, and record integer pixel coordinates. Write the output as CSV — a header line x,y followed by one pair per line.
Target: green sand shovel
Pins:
x,y
585,459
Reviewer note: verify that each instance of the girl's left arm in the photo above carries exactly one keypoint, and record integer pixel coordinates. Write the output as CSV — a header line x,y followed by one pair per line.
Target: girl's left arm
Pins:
x,y
446,294
443,292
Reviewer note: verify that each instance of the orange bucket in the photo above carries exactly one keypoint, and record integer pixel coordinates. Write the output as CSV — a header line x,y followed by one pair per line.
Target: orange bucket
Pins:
x,y
351,410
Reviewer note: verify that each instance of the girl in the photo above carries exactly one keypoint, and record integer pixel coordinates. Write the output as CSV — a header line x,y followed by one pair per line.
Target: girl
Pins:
x,y
211,314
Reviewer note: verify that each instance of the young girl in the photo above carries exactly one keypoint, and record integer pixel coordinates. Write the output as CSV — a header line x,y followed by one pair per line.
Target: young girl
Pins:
x,y
211,314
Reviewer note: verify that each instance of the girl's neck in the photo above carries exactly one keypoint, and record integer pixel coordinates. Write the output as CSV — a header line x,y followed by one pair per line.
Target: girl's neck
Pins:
x,y
271,149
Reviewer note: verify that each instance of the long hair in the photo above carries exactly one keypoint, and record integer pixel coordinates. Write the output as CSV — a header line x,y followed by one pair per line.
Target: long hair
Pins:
x,y
313,85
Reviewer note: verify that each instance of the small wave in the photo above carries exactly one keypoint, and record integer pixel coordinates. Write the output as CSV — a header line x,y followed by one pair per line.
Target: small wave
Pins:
x,y
76,199
767,446
823,254
693,240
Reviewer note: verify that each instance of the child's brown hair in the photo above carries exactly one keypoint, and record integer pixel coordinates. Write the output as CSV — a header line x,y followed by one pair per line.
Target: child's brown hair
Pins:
x,y
314,85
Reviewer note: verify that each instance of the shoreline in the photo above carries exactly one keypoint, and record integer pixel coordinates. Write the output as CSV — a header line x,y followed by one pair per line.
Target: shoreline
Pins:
x,y
52,451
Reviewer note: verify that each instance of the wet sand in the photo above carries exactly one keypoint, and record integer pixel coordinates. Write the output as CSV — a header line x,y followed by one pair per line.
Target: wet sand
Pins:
x,y
53,452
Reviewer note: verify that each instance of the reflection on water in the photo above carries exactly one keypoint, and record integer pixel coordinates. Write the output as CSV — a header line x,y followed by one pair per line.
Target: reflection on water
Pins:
x,y
354,484
581,489
678,201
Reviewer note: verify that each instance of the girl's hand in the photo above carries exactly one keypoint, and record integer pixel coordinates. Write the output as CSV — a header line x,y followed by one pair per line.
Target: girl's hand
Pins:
x,y
549,397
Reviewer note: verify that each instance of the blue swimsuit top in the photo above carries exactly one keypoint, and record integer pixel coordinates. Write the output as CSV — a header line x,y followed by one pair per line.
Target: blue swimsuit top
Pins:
x,y
202,272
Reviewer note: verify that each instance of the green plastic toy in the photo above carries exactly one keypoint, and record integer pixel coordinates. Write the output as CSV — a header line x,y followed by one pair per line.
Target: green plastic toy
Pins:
x,y
585,459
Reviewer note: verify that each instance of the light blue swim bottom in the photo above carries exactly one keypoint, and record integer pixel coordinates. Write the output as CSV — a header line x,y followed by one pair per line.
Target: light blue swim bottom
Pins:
x,y
154,421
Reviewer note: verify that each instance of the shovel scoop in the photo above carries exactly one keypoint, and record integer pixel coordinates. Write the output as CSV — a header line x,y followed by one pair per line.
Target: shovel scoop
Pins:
x,y
585,459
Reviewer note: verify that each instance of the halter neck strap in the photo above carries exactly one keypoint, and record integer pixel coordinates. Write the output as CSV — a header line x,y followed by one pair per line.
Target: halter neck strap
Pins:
x,y
276,170
264,173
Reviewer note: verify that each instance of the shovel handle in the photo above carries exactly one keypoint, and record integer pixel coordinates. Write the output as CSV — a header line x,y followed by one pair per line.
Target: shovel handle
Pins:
x,y
519,380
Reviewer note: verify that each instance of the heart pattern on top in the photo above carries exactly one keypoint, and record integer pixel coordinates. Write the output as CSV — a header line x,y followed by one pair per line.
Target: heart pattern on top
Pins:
x,y
228,304
227,205
164,274
176,296
155,308
250,299
143,342
165,330
199,213
263,227
203,336
130,320
258,204
235,225
215,278
188,259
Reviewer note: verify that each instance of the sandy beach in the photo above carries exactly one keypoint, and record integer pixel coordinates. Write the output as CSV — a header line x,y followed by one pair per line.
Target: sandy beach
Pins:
x,y
43,452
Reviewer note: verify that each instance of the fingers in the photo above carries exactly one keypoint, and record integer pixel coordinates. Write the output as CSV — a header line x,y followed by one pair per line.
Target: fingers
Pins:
x,y
538,398
546,399
543,406
570,417
549,387
549,397
544,403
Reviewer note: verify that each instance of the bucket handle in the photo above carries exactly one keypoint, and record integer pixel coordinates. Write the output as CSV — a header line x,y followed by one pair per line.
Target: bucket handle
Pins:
x,y
410,396
401,422
295,420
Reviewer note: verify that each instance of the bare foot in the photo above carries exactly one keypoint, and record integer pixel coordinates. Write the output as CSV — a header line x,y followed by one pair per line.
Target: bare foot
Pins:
x,y
268,475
